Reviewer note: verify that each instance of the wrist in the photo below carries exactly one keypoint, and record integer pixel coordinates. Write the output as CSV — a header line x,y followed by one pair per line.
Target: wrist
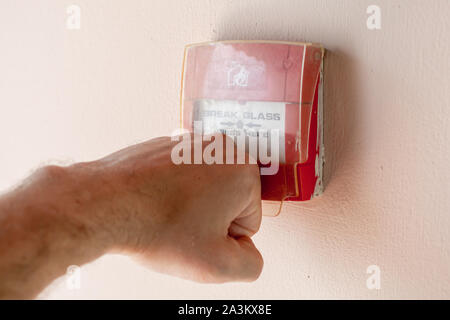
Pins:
x,y
84,202
108,206
58,205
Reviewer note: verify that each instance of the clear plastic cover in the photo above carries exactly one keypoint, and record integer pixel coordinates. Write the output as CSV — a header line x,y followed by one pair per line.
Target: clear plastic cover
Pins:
x,y
254,89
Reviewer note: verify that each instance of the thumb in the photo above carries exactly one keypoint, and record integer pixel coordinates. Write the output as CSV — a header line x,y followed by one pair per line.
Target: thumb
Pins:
x,y
239,260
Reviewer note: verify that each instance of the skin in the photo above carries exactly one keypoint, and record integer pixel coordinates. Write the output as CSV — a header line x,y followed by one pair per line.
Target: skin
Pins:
x,y
190,221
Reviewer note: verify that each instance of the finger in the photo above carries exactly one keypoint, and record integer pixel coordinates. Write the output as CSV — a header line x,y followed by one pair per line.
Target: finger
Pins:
x,y
238,260
247,223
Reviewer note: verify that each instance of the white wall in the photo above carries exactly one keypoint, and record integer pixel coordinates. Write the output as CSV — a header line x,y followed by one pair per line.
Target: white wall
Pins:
x,y
78,95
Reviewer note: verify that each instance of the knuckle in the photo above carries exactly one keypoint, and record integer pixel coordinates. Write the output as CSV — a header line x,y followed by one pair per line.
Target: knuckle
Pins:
x,y
51,172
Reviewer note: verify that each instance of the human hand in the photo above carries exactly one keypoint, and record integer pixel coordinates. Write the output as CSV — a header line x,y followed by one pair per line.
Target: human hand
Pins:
x,y
192,221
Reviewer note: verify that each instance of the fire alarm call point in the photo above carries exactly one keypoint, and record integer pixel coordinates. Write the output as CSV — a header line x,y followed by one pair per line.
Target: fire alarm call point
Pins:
x,y
266,92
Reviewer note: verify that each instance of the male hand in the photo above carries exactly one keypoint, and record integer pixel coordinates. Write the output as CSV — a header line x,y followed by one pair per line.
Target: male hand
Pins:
x,y
192,221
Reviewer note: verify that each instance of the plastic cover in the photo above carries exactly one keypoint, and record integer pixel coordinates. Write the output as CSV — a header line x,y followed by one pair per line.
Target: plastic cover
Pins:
x,y
253,88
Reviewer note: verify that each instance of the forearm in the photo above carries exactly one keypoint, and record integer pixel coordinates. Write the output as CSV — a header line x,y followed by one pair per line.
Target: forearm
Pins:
x,y
192,221
41,233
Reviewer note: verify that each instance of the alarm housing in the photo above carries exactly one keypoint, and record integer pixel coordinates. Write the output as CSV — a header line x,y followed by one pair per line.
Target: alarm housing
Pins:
x,y
256,87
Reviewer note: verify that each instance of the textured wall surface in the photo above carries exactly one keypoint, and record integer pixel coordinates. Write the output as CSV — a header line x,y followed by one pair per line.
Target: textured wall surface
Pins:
x,y
77,95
